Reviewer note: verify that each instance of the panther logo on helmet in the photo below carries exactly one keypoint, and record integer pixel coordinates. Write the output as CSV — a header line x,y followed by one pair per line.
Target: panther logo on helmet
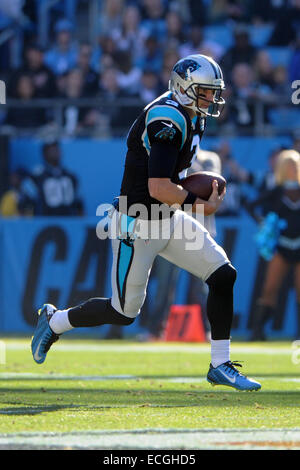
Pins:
x,y
185,68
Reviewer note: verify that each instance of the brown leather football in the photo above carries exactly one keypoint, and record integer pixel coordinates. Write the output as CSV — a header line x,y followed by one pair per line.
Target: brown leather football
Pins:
x,y
200,183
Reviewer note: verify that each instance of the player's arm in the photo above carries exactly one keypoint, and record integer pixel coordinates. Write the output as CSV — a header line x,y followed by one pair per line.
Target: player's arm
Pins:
x,y
166,132
169,193
162,160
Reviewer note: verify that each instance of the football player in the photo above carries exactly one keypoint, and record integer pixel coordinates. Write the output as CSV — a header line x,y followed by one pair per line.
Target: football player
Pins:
x,y
159,149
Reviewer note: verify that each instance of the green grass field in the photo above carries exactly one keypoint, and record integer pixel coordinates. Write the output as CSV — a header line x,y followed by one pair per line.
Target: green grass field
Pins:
x,y
110,394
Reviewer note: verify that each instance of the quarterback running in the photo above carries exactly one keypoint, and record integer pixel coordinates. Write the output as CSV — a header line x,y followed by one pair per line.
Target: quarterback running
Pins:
x,y
159,149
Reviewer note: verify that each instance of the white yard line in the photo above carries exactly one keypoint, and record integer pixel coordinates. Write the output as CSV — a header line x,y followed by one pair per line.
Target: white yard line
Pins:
x,y
99,378
159,439
151,348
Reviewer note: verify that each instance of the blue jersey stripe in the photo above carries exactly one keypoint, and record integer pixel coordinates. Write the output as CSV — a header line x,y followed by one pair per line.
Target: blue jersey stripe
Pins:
x,y
167,112
124,263
146,142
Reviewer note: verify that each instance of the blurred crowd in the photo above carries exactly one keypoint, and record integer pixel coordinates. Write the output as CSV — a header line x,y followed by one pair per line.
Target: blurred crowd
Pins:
x,y
138,41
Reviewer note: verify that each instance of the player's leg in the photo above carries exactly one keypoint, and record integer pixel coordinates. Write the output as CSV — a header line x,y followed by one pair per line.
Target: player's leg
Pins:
x,y
53,322
132,264
276,271
210,263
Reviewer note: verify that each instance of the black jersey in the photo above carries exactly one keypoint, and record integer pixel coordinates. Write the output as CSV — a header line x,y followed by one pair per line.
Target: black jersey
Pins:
x,y
164,122
56,192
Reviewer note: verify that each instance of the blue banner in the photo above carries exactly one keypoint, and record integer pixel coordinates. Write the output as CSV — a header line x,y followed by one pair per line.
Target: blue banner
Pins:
x,y
61,261
99,164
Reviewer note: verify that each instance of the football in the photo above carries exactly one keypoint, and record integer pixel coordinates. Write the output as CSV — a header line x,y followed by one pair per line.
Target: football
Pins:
x,y
200,183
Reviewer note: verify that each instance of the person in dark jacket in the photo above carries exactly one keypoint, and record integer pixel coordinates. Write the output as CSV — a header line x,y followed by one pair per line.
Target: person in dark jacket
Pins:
x,y
56,187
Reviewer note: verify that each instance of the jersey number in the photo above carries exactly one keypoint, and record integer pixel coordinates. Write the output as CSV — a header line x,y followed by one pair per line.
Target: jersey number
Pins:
x,y
172,102
58,192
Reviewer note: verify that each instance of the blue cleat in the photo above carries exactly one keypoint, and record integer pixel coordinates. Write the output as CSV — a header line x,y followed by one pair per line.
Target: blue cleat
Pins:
x,y
43,337
227,374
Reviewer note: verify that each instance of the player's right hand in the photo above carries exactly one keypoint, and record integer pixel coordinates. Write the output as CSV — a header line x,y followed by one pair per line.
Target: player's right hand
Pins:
x,y
216,199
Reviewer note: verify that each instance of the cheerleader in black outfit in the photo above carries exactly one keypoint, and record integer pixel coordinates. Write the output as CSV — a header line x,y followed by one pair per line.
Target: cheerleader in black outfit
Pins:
x,y
284,201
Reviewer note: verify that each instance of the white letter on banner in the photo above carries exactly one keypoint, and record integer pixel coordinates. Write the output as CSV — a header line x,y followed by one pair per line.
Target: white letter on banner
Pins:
x,y
2,92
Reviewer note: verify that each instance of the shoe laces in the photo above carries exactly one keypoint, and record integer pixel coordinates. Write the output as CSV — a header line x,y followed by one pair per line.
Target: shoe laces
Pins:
x,y
230,366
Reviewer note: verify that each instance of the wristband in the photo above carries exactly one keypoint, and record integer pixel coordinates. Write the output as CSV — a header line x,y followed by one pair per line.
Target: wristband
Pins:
x,y
190,199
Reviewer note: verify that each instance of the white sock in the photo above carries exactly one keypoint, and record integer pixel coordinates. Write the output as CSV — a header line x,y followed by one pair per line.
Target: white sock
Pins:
x,y
220,351
59,322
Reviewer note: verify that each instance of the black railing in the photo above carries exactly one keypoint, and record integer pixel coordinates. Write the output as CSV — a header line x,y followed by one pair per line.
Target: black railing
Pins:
x,y
116,116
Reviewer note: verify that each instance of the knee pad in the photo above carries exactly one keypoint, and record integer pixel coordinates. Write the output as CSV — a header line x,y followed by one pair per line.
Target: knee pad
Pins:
x,y
223,278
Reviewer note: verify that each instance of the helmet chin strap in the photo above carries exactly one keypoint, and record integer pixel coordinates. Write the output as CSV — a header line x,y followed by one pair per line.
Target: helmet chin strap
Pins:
x,y
187,101
183,98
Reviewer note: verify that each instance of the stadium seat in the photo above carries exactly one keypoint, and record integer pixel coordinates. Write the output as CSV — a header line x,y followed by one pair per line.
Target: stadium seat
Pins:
x,y
279,55
260,34
285,118
220,34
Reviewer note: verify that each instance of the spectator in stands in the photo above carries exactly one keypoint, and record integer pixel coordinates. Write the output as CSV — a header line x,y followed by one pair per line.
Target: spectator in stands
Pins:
x,y
294,66
42,77
152,57
77,119
198,11
17,199
89,76
281,86
149,87
170,57
129,36
164,78
129,75
61,85
221,11
197,43
269,180
154,23
176,29
273,80
56,189
241,51
111,95
111,16
9,201
63,56
103,52
287,26
235,176
263,68
266,11
246,93
28,117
